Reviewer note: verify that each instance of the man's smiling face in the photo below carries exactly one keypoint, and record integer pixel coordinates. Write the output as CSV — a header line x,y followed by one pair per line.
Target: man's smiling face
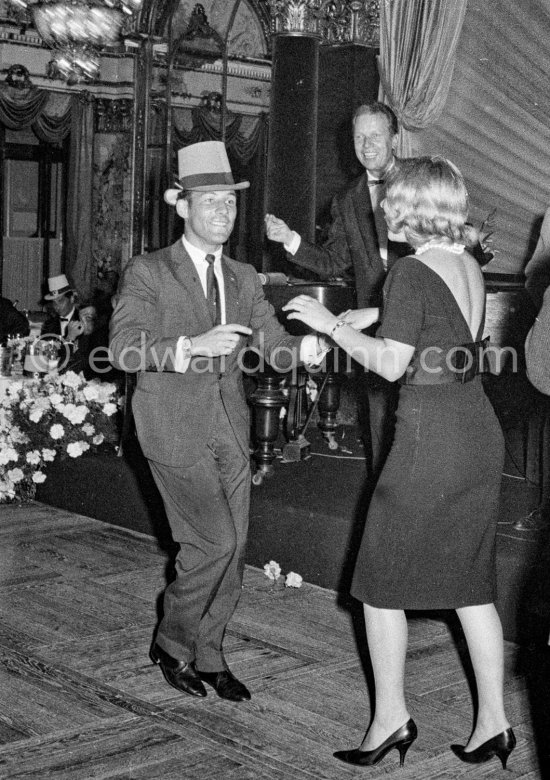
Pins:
x,y
209,217
374,141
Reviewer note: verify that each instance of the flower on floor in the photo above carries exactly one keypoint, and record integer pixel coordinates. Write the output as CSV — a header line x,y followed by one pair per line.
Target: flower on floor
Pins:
x,y
53,417
272,570
293,580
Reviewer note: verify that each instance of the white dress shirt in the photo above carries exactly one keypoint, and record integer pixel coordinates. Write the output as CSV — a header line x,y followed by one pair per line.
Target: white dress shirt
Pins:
x,y
311,352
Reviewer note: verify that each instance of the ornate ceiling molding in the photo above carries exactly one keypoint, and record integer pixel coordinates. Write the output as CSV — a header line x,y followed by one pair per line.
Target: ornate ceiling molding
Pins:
x,y
335,22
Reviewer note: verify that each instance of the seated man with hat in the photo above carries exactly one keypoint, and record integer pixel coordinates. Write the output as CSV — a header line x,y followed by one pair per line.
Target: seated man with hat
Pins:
x,y
183,321
64,321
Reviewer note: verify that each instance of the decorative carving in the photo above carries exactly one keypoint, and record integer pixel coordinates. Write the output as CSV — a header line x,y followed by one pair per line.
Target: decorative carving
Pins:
x,y
335,21
19,83
297,17
114,116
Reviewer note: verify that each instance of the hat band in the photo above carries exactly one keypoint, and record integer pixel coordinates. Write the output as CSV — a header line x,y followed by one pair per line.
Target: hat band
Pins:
x,y
61,290
207,180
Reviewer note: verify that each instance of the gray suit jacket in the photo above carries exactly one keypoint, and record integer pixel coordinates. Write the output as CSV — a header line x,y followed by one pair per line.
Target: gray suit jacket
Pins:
x,y
162,299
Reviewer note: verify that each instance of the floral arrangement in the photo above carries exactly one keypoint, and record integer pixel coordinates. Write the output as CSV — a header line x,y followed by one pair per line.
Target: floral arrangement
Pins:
x,y
58,416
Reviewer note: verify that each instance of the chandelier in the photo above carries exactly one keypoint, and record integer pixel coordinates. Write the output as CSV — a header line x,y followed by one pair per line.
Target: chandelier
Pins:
x,y
76,31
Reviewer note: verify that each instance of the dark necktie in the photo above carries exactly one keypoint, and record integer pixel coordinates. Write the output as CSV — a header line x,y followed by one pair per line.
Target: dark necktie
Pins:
x,y
212,291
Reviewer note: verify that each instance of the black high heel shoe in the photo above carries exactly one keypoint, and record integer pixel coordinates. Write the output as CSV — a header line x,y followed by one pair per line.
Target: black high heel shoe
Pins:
x,y
501,746
401,739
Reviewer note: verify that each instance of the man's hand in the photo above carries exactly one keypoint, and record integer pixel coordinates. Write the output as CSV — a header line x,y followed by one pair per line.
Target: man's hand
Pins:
x,y
220,340
277,230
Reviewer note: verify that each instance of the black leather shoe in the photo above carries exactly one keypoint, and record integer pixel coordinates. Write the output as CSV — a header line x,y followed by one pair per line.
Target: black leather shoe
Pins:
x,y
226,685
500,746
179,674
401,740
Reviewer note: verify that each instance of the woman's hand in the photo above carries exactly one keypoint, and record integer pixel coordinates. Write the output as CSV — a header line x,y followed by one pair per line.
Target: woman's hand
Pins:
x,y
309,311
360,319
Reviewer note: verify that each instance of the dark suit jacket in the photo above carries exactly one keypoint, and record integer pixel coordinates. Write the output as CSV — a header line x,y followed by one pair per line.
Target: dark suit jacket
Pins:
x,y
162,299
12,321
352,243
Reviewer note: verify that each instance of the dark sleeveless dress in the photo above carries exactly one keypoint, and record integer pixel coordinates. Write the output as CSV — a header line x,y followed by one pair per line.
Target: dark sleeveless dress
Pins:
x,y
429,538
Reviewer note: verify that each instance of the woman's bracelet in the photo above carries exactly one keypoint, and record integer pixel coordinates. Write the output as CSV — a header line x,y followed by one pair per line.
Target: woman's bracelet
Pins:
x,y
339,324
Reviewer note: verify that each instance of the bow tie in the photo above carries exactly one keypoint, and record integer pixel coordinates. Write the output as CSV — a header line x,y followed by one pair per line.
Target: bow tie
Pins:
x,y
373,182
65,319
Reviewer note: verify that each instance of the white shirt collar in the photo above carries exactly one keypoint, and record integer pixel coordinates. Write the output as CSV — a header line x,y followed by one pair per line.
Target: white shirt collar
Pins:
x,y
390,168
198,255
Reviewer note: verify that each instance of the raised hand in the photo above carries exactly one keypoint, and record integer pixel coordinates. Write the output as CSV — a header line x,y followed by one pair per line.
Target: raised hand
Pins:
x,y
220,340
277,230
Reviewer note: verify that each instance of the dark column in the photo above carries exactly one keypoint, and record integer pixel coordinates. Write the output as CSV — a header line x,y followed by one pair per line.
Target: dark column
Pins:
x,y
292,150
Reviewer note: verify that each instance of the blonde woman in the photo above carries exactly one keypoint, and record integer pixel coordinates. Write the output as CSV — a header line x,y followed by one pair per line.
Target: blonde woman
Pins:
x,y
429,539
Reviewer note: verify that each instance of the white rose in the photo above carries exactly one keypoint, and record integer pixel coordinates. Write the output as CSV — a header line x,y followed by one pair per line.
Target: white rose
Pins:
x,y
272,570
33,457
91,393
293,580
88,429
98,439
57,431
36,415
48,455
109,409
70,379
15,475
38,477
8,454
56,399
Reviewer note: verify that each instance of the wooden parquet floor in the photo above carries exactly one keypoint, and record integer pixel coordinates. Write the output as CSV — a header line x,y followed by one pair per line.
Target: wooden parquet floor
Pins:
x,y
80,699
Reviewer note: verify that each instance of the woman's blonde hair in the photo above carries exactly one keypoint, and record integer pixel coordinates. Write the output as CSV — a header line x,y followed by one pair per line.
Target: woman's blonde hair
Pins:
x,y
427,198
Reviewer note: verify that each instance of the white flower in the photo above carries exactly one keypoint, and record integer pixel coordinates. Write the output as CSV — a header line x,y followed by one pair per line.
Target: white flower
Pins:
x,y
14,388
15,475
36,415
56,399
70,379
272,570
88,429
91,392
76,448
7,454
293,580
33,457
57,431
75,414
109,409
38,477
105,391
98,439
48,455
7,491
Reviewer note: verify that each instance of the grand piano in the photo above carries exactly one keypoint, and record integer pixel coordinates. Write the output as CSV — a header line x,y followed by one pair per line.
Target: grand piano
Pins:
x,y
509,315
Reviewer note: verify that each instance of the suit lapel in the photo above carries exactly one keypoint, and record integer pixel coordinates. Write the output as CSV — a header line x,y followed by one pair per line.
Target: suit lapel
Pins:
x,y
231,292
365,219
185,273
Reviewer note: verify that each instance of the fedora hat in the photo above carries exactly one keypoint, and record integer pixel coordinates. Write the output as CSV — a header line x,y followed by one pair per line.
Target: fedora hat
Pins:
x,y
203,167
57,285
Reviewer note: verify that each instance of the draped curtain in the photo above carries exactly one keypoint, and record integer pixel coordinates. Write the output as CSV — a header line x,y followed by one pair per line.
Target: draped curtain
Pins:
x,y
418,40
79,261
52,117
496,123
